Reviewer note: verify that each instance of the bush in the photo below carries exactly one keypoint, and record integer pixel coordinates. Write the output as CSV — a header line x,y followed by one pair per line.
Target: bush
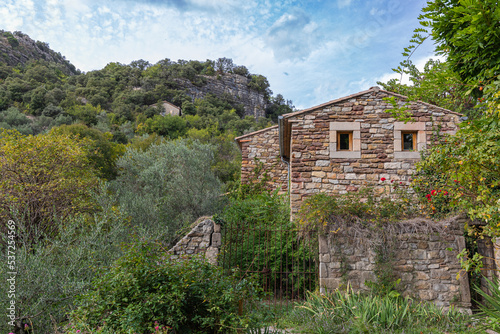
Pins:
x,y
259,237
167,185
146,287
52,272
41,178
348,312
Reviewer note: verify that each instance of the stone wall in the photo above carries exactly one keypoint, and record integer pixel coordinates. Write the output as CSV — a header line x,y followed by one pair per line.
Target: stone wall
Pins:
x,y
263,145
233,85
203,239
317,167
424,257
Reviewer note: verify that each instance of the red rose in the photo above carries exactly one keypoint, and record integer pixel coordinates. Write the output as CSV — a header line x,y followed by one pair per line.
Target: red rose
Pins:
x,y
433,192
383,179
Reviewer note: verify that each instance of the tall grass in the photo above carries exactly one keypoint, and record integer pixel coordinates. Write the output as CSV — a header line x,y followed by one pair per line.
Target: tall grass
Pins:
x,y
490,309
348,312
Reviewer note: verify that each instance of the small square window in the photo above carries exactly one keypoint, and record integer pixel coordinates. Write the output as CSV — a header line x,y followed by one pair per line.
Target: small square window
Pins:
x,y
408,141
344,141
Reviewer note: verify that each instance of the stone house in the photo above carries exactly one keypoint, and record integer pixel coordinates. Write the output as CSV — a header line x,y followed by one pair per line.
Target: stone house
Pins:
x,y
170,109
344,144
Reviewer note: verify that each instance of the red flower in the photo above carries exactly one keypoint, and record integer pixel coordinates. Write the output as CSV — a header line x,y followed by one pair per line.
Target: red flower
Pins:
x,y
383,179
433,192
392,181
456,181
445,192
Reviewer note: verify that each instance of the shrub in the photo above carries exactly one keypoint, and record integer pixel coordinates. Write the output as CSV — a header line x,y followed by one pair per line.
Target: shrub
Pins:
x,y
260,237
348,312
42,177
167,185
53,271
147,286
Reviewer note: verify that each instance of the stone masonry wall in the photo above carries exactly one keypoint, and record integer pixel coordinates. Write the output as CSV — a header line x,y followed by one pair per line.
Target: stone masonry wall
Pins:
x,y
203,239
315,167
264,145
422,260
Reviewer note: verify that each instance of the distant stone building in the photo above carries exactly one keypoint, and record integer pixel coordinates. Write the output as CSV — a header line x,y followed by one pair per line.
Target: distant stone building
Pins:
x,y
170,109
344,144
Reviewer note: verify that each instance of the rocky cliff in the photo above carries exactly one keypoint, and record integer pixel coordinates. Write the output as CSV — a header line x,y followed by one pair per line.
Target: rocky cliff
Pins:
x,y
18,48
232,85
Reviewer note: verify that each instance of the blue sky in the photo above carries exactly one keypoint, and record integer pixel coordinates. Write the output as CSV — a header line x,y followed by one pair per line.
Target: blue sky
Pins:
x,y
310,51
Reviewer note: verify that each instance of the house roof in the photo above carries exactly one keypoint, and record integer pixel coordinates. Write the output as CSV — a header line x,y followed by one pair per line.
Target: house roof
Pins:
x,y
255,132
372,89
341,99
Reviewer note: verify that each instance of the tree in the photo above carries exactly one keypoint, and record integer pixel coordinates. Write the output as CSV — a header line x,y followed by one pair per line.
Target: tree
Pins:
x,y
167,185
42,177
101,151
465,166
467,33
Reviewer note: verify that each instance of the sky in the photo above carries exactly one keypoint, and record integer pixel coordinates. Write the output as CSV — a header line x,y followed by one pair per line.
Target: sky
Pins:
x,y
310,51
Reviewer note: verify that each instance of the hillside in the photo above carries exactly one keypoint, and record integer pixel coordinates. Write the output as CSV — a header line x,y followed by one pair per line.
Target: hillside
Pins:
x,y
122,103
19,49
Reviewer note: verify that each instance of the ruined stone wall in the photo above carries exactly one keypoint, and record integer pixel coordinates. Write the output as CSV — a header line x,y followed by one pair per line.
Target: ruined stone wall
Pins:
x,y
264,145
204,239
425,259
317,167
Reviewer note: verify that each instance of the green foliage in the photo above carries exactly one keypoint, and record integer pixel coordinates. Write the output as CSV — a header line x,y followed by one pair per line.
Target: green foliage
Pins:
x,y
43,177
167,185
467,33
490,310
101,151
260,237
147,285
365,205
54,271
349,312
168,126
436,84
466,172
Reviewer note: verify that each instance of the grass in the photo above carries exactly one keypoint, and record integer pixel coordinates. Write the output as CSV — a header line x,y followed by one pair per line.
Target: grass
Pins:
x,y
348,312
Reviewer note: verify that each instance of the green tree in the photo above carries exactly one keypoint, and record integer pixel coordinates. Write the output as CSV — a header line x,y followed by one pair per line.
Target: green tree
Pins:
x,y
167,185
101,151
42,177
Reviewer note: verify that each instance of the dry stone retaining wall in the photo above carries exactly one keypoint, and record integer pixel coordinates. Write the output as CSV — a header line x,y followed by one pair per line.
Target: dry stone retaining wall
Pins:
x,y
425,262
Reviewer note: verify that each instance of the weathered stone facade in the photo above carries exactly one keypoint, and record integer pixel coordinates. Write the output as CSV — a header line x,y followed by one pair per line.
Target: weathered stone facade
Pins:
x,y
424,258
263,147
311,139
204,239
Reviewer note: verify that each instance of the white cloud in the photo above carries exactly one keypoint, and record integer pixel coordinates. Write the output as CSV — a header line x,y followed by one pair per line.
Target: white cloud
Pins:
x,y
343,3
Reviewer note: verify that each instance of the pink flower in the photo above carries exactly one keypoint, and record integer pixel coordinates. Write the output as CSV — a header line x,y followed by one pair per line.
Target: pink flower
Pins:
x,y
157,328
383,179
78,331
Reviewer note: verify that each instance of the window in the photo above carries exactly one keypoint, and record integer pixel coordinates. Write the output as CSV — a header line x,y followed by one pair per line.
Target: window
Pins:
x,y
344,140
408,141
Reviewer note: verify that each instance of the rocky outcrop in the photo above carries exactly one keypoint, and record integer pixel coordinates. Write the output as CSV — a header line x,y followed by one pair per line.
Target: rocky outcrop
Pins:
x,y
230,85
18,48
